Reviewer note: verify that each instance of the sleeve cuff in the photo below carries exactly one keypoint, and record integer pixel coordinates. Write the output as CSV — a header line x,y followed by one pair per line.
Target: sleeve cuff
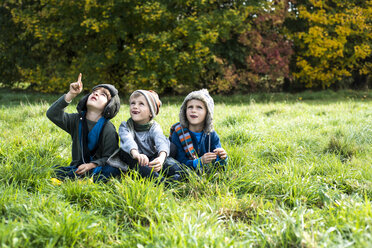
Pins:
x,y
64,98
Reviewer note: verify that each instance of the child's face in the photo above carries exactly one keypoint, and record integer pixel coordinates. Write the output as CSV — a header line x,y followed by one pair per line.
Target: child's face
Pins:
x,y
98,99
139,110
196,112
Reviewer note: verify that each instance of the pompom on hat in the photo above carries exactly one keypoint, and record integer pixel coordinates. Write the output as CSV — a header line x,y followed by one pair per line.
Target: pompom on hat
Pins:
x,y
152,99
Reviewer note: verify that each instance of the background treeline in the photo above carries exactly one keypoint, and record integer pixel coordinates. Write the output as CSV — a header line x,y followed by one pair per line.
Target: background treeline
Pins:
x,y
174,46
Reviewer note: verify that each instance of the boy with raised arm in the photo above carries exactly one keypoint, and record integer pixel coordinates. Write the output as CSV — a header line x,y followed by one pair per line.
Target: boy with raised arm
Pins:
x,y
94,137
198,145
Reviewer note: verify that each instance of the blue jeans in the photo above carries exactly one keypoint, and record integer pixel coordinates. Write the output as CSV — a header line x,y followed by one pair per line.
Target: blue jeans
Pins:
x,y
171,168
100,173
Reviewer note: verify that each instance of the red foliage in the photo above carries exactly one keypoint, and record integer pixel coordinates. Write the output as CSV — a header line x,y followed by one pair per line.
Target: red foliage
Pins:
x,y
268,52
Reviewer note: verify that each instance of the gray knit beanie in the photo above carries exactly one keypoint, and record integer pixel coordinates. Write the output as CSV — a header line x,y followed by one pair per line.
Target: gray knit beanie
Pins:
x,y
152,99
201,95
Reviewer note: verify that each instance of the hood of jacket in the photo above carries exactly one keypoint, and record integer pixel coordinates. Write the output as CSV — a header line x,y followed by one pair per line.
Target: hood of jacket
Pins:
x,y
201,95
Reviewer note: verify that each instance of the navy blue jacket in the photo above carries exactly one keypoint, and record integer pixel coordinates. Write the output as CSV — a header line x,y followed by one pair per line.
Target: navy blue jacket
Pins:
x,y
207,144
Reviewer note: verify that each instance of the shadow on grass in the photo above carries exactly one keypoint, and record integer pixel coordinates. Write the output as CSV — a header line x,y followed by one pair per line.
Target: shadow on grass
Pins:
x,y
11,98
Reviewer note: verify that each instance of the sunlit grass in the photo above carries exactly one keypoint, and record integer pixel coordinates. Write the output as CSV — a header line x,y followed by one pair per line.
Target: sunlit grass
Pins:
x,y
300,175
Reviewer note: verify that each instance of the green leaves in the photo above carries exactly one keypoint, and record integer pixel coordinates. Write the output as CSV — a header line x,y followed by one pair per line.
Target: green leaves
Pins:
x,y
148,44
177,46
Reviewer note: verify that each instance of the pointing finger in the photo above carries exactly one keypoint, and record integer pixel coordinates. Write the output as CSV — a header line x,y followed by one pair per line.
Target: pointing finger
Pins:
x,y
79,78
79,81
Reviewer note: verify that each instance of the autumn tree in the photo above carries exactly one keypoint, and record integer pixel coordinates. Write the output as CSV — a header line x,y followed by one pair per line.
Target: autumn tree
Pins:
x,y
15,47
334,43
176,46
134,44
258,55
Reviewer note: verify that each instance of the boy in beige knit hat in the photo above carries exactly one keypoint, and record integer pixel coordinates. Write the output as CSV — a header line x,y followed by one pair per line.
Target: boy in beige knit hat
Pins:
x,y
143,145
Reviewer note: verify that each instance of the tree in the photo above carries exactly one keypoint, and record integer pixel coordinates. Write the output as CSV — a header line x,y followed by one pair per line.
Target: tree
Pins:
x,y
133,44
258,55
335,42
15,47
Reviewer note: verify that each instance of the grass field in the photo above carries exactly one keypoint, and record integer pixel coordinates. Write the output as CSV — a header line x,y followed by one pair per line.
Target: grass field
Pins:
x,y
300,175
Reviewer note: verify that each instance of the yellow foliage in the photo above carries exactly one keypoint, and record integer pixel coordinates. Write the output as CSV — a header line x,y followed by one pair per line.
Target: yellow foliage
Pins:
x,y
366,69
94,25
362,51
317,3
329,53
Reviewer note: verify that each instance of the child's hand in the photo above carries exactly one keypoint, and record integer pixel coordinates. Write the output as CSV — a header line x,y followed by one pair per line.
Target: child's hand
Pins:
x,y
208,157
142,158
75,89
84,168
157,163
221,153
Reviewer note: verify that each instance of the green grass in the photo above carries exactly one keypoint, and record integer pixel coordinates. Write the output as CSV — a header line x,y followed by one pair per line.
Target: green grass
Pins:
x,y
300,175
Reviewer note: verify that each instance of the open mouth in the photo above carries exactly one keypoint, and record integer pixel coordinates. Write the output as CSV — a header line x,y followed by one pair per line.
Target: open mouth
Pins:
x,y
193,116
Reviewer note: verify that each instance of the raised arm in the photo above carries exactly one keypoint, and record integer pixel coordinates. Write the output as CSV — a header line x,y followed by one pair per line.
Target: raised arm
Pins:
x,y
56,112
75,89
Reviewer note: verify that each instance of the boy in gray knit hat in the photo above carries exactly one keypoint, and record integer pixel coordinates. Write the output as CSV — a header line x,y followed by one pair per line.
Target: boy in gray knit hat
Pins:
x,y
94,137
143,145
197,143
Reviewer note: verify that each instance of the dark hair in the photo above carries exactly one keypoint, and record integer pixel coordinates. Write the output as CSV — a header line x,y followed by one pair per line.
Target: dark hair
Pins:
x,y
112,106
